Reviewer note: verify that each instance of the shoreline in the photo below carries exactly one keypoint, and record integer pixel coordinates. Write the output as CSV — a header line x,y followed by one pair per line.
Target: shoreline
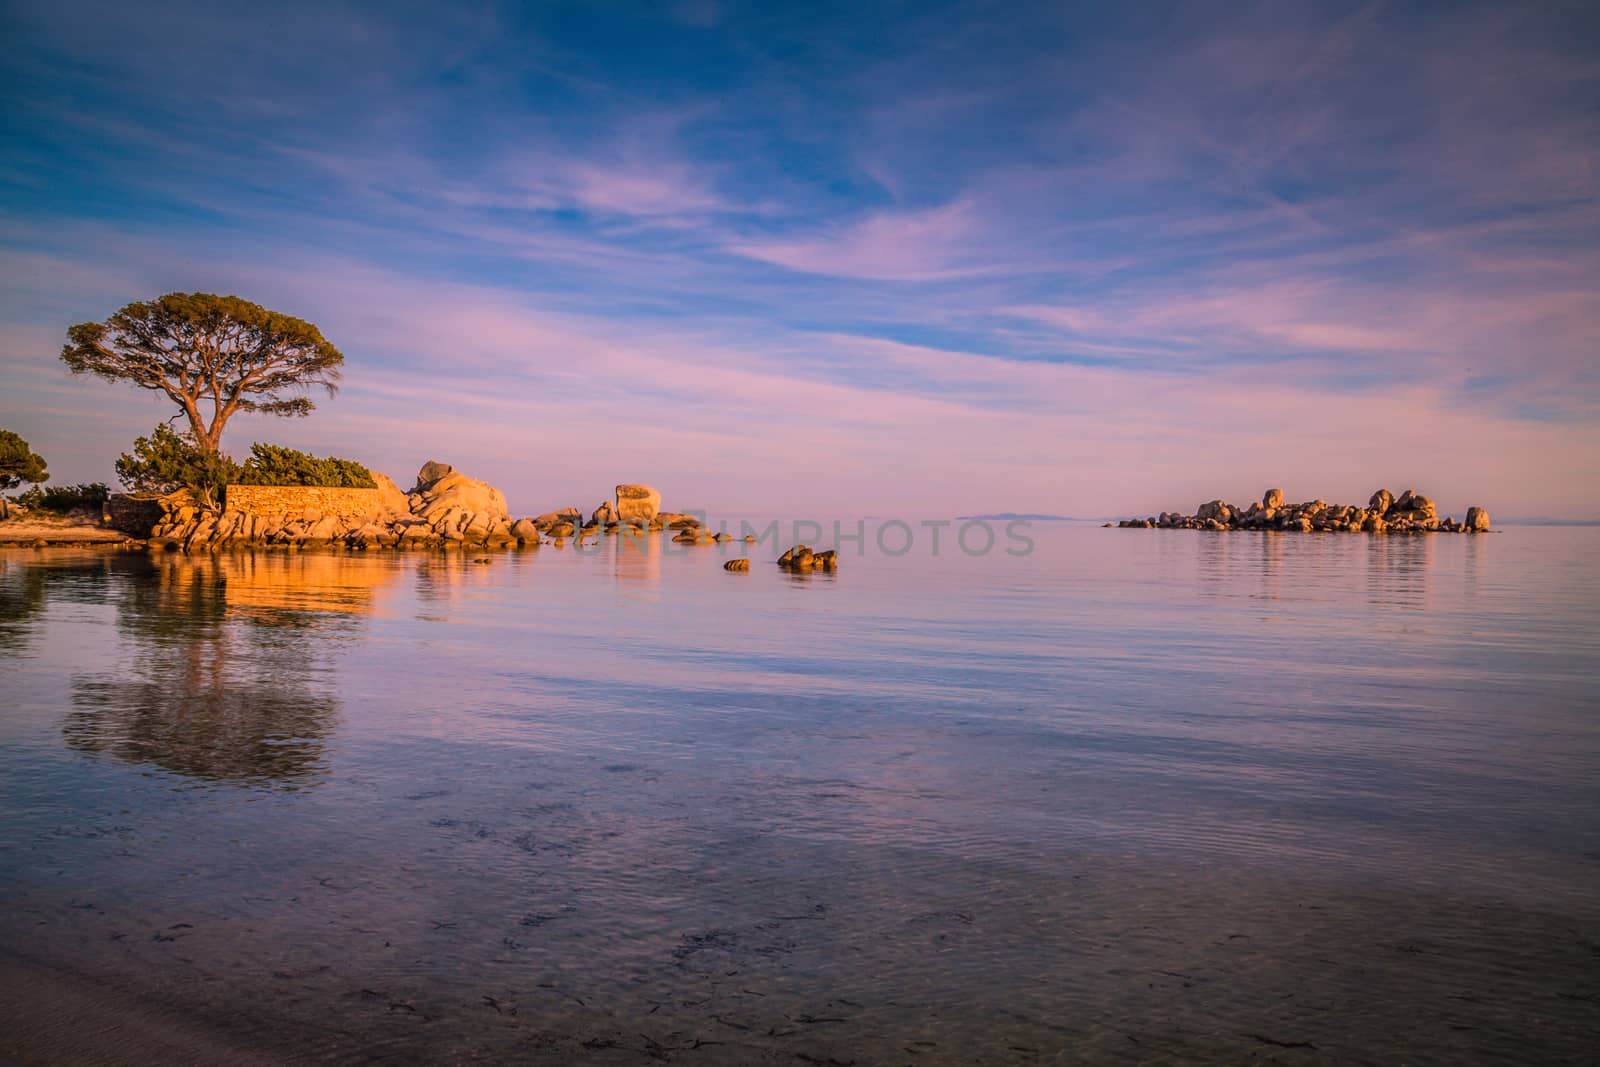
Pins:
x,y
20,533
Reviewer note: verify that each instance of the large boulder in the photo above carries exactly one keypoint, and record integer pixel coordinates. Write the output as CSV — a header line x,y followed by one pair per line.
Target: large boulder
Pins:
x,y
395,504
1477,520
552,518
604,515
637,504
430,473
1272,498
1380,502
1215,511
441,492
1415,511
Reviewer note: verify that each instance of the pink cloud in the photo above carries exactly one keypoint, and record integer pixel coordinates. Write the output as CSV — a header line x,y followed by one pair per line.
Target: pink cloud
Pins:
x,y
943,242
557,406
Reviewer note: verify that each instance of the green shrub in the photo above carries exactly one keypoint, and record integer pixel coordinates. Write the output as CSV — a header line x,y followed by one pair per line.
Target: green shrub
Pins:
x,y
277,465
168,460
62,499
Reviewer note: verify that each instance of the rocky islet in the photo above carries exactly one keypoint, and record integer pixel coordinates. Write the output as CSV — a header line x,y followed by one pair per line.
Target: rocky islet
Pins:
x,y
1409,513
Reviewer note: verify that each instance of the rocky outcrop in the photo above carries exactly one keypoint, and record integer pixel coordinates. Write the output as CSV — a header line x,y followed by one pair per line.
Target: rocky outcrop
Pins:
x,y
393,502
444,507
441,488
1410,512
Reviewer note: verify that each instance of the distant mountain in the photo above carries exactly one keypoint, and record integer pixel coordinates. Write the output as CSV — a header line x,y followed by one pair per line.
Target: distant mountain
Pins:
x,y
1012,515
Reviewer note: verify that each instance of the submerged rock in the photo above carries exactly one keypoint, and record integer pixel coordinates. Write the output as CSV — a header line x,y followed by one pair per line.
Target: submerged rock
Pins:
x,y
674,520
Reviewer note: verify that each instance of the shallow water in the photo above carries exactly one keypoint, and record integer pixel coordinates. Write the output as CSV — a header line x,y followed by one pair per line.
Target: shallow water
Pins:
x,y
1137,796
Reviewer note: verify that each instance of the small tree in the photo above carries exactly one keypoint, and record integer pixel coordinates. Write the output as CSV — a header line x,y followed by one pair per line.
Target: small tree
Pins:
x,y
19,462
168,460
214,356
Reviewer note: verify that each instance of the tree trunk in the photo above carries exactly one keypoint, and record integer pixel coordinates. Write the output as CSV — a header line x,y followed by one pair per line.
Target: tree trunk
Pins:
x,y
203,440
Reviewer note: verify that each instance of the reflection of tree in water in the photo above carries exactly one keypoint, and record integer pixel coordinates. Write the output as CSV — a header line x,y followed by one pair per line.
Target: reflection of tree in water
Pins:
x,y
31,581
224,681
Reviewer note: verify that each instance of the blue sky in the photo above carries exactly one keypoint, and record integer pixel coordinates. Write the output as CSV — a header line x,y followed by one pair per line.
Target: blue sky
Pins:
x,y
880,258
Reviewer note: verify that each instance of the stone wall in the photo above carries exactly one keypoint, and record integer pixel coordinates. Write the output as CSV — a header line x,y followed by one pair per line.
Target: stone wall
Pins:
x,y
278,504
132,515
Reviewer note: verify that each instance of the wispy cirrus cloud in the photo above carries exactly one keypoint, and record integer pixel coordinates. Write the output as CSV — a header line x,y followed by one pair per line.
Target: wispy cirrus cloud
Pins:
x,y
936,244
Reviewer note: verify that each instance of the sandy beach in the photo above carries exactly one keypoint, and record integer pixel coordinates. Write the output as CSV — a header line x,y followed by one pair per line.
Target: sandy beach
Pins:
x,y
52,531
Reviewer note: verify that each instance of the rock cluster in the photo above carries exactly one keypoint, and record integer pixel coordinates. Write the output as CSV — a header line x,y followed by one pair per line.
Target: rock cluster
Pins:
x,y
802,558
1410,512
444,507
636,509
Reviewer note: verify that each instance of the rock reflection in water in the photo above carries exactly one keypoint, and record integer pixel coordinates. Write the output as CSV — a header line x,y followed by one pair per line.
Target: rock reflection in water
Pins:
x,y
227,681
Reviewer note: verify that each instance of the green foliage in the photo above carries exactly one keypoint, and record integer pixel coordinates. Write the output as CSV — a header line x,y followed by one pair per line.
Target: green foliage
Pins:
x,y
168,460
18,462
278,465
211,355
64,499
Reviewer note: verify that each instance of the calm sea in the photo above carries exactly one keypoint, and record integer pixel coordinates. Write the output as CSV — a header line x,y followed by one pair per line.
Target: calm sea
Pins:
x,y
1136,796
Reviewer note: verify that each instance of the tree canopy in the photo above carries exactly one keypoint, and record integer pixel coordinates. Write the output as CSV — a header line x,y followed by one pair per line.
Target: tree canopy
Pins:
x,y
19,462
214,356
